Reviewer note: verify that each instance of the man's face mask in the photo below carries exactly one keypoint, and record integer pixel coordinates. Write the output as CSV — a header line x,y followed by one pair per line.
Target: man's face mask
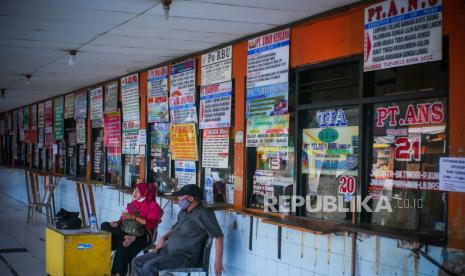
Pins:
x,y
184,203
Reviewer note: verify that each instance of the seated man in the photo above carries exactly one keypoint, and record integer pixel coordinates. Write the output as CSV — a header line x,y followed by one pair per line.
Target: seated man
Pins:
x,y
183,245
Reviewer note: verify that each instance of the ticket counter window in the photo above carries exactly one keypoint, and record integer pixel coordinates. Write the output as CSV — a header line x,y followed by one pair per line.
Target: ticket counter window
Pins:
x,y
329,160
409,138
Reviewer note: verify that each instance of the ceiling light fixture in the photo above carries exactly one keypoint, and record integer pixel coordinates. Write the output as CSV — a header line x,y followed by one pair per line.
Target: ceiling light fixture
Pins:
x,y
3,93
28,78
72,57
166,8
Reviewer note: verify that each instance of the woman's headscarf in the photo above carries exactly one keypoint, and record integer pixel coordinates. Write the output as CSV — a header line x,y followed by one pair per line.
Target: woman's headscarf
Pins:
x,y
147,190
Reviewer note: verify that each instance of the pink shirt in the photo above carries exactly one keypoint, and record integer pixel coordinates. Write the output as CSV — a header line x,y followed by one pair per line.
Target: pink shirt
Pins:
x,y
151,212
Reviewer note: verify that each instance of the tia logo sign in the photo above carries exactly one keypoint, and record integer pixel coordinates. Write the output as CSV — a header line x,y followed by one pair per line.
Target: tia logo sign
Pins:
x,y
331,118
420,114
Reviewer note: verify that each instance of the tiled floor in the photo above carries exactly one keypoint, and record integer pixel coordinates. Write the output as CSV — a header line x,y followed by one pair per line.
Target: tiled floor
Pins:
x,y
17,235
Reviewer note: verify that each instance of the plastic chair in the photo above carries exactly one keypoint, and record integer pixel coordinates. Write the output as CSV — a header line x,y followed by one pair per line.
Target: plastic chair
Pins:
x,y
204,267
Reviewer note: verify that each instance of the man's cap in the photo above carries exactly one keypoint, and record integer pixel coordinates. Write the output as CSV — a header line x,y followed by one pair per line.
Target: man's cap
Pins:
x,y
190,190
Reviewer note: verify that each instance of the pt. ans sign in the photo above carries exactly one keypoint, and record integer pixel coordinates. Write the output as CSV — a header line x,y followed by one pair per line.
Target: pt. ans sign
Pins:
x,y
420,114
402,32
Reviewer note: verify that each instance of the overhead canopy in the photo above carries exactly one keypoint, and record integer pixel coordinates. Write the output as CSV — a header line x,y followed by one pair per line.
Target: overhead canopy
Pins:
x,y
115,37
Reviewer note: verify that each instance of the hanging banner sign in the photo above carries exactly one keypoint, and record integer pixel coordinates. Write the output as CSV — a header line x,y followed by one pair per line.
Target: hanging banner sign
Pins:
x,y
48,139
267,100
80,105
186,173
20,118
41,137
270,131
182,92
15,120
268,74
41,116
157,95
80,131
111,97
26,118
131,137
215,150
58,118
130,95
96,106
112,129
182,78
160,134
216,66
69,106
142,137
402,32
183,109
34,115
215,105
48,113
183,140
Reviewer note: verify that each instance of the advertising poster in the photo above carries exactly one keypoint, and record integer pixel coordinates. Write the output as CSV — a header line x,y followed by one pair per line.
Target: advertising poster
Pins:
x,y
59,119
182,78
48,137
41,142
19,121
26,118
272,131
183,109
112,129
330,151
40,115
215,150
130,96
131,137
157,95
80,105
402,32
111,97
159,159
96,107
183,140
69,106
160,134
409,138
451,174
80,131
34,115
182,92
48,111
268,74
215,105
216,66
185,173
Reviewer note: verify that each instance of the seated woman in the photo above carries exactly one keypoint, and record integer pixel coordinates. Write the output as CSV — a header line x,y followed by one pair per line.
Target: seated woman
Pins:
x,y
128,246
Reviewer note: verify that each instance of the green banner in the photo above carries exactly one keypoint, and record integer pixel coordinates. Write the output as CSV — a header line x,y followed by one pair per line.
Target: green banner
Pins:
x,y
58,118
26,118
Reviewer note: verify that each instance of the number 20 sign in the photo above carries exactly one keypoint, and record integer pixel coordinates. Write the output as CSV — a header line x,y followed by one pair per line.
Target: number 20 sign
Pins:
x,y
347,185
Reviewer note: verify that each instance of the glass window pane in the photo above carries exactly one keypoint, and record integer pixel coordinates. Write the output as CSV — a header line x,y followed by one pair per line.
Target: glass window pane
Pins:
x,y
337,82
408,139
329,163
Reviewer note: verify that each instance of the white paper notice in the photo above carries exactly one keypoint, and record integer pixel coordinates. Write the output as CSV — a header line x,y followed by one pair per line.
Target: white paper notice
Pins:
x,y
452,174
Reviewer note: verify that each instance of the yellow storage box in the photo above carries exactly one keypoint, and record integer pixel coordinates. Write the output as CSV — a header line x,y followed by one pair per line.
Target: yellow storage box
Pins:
x,y
77,252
